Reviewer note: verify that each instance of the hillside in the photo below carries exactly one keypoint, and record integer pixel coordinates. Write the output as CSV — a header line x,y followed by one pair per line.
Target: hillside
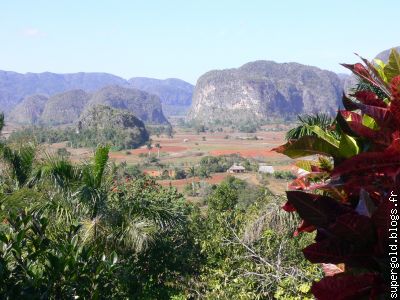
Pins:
x,y
64,108
175,94
261,90
15,86
106,125
29,110
145,106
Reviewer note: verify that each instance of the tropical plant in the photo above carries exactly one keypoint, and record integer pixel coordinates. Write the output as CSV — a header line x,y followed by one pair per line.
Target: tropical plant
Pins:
x,y
192,171
158,146
346,196
20,162
149,147
323,121
89,231
249,250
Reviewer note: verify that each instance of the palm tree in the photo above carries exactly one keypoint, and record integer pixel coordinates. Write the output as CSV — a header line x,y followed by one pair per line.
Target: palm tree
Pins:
x,y
204,173
192,171
95,184
158,146
323,121
149,147
20,162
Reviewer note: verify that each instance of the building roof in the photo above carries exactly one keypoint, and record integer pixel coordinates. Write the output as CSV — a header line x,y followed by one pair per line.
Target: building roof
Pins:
x,y
236,167
266,169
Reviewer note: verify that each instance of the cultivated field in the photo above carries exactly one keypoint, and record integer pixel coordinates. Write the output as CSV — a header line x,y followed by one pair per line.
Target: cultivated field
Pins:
x,y
186,148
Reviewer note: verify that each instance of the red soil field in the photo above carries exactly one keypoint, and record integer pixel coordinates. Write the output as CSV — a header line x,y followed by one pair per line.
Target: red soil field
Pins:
x,y
163,149
168,149
248,153
216,178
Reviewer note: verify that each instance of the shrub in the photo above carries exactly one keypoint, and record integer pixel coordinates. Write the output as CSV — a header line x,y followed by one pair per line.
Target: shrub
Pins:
x,y
347,199
63,152
287,175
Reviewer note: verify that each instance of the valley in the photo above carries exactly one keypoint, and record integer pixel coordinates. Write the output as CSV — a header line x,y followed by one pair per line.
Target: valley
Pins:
x,y
186,148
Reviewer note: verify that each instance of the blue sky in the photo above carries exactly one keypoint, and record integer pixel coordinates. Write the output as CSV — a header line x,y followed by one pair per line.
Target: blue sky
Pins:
x,y
184,39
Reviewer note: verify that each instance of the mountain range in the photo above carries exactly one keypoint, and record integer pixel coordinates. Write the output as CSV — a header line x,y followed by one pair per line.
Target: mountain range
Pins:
x,y
255,92
14,87
67,107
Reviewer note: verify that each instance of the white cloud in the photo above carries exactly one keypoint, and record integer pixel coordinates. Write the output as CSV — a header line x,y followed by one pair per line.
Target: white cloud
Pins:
x,y
32,32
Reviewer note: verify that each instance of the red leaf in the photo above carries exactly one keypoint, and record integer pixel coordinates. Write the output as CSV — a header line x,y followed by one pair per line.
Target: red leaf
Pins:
x,y
354,228
347,287
385,163
348,104
369,98
351,116
381,220
317,210
288,207
304,227
395,88
336,251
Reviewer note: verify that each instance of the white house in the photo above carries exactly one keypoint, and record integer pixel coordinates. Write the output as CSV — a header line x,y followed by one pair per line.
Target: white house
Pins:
x,y
266,169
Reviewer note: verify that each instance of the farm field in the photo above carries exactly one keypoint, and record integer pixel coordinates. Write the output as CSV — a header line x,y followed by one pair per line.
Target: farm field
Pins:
x,y
186,148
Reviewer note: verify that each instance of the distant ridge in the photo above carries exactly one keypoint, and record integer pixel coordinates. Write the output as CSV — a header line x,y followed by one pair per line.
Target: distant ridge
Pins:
x,y
67,107
14,87
175,94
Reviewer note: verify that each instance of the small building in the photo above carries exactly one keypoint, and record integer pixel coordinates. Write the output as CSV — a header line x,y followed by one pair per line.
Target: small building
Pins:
x,y
266,169
236,169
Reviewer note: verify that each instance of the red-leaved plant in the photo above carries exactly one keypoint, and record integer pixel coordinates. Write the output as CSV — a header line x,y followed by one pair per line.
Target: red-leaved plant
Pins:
x,y
346,194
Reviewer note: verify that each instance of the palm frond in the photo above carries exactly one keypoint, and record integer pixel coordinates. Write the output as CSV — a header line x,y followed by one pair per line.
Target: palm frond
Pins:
x,y
93,229
20,161
60,171
137,234
99,164
323,121
272,217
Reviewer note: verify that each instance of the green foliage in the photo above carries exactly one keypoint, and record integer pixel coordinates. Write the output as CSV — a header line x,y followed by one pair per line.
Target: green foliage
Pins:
x,y
351,184
323,121
248,126
249,249
36,265
217,164
287,175
180,174
108,237
97,230
118,138
63,152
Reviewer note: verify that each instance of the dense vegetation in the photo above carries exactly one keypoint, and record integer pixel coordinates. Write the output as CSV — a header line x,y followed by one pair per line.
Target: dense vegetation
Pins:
x,y
347,196
98,125
96,230
100,231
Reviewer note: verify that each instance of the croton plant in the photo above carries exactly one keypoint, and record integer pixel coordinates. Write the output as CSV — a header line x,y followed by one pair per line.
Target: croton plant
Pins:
x,y
346,194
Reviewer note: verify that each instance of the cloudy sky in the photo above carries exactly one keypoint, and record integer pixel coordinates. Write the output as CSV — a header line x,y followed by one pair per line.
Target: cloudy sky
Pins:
x,y
184,39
